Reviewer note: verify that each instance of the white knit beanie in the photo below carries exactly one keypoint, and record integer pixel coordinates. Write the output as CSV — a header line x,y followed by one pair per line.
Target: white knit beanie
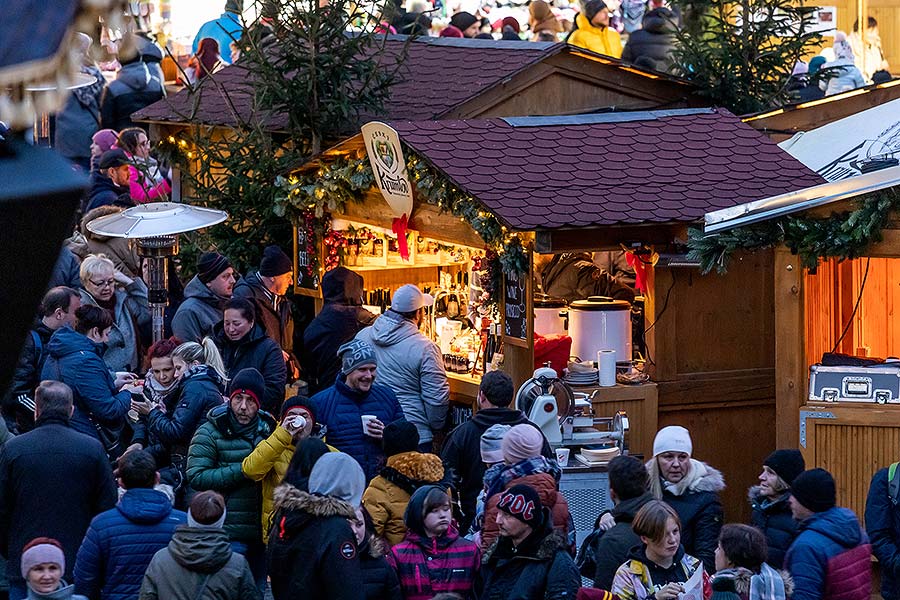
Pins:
x,y
673,438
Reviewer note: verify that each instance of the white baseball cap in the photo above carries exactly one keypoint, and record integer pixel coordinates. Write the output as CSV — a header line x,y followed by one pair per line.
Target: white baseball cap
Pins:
x,y
409,298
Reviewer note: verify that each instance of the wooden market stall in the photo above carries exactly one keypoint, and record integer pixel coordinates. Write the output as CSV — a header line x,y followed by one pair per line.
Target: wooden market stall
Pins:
x,y
559,186
848,307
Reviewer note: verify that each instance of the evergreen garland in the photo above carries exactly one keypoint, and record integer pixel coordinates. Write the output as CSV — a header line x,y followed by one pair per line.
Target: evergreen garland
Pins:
x,y
332,186
842,235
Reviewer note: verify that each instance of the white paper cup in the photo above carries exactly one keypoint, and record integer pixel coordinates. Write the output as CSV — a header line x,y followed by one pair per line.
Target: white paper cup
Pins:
x,y
366,419
562,456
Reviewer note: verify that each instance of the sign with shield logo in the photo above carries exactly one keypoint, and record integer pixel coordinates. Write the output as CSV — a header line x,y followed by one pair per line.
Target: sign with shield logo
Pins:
x,y
389,166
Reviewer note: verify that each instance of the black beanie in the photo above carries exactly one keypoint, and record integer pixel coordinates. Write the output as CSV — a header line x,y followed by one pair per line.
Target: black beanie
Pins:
x,y
523,502
275,262
210,265
398,437
248,381
815,490
592,7
787,464
463,20
299,401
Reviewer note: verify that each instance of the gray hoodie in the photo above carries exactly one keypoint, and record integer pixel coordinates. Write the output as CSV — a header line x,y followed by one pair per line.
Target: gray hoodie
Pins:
x,y
198,314
411,365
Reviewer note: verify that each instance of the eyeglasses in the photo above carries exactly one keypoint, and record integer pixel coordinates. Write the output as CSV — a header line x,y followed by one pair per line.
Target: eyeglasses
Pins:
x,y
103,284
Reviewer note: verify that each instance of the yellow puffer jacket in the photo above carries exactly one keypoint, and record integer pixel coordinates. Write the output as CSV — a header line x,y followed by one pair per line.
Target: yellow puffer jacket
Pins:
x,y
604,41
388,494
268,463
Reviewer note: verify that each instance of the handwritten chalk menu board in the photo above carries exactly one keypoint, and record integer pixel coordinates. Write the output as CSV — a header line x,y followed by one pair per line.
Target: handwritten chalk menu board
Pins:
x,y
517,304
305,262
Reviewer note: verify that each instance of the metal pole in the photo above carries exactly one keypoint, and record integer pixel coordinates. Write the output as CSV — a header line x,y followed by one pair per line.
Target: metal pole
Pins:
x,y
157,251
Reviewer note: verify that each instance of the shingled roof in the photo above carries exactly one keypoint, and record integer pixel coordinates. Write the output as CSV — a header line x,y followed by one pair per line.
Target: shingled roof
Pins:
x,y
437,75
608,169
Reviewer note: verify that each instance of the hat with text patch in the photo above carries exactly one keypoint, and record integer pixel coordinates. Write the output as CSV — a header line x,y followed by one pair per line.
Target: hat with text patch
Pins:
x,y
523,502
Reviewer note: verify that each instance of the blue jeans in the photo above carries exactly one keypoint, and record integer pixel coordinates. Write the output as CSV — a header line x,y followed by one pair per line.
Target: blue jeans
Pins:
x,y
255,554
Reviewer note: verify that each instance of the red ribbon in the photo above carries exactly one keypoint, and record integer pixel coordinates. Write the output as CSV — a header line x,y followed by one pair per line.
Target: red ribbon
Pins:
x,y
399,227
640,270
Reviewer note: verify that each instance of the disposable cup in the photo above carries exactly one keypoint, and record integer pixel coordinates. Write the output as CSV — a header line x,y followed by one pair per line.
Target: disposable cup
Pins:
x,y
366,419
562,456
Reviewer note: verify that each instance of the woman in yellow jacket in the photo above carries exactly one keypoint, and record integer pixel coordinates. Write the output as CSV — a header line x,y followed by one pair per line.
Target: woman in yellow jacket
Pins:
x,y
271,459
592,31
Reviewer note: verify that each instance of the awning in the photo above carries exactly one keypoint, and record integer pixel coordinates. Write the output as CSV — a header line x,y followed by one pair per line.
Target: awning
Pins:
x,y
844,148
805,199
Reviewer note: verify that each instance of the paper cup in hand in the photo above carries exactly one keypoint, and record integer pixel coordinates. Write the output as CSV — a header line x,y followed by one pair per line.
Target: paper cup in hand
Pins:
x,y
562,456
366,419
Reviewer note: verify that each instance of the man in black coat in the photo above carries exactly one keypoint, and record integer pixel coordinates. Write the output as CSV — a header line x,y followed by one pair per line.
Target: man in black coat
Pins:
x,y
652,45
628,491
883,527
338,322
462,449
529,560
109,183
266,289
57,310
137,85
312,551
53,481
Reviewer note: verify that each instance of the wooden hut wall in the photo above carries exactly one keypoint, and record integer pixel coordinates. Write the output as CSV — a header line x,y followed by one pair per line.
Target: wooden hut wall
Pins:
x,y
712,343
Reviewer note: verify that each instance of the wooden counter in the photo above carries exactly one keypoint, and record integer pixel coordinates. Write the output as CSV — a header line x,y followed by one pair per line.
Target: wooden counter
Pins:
x,y
464,388
638,401
851,441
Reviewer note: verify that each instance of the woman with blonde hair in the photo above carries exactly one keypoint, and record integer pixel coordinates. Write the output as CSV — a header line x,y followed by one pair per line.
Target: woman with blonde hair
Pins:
x,y
166,431
128,304
692,488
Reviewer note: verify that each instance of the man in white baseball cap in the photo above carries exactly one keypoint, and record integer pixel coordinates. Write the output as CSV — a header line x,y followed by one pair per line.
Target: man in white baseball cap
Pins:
x,y
410,363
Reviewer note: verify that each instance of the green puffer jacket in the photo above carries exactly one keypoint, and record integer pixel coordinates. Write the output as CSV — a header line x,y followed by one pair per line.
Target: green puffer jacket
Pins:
x,y
214,463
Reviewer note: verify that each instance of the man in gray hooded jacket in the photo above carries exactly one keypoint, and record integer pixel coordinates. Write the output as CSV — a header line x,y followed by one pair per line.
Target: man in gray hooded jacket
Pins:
x,y
205,298
411,364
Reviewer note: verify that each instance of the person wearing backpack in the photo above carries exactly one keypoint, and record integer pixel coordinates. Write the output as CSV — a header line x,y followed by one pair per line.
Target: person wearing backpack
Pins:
x,y
883,526
56,311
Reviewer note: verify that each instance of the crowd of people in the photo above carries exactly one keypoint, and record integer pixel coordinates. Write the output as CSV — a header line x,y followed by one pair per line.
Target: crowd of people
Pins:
x,y
192,469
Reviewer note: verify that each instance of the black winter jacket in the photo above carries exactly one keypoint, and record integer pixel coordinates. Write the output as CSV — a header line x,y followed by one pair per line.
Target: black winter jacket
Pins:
x,y
136,86
776,521
700,512
279,324
338,322
258,351
18,403
53,481
379,577
883,527
540,569
651,46
103,192
614,546
462,455
312,551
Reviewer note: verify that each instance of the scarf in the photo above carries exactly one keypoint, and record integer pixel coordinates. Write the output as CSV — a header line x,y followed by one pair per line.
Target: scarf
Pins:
x,y
767,585
530,466
239,430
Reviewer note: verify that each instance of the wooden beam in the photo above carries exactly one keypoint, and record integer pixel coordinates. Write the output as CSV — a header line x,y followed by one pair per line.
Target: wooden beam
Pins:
x,y
550,241
790,350
888,247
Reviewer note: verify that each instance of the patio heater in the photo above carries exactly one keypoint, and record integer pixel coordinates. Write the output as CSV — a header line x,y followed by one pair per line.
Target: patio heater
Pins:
x,y
155,227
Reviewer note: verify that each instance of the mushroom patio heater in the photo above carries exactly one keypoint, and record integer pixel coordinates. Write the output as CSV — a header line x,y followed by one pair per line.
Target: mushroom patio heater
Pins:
x,y
155,227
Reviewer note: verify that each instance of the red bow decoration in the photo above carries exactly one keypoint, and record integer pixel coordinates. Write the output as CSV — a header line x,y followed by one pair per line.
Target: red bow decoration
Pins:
x,y
399,227
640,270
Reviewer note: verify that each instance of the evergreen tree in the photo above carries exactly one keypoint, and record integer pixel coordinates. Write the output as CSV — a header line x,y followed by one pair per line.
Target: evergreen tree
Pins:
x,y
310,80
741,54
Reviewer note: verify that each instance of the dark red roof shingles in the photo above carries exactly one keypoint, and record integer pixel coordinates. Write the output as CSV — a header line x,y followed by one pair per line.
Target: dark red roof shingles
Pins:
x,y
437,75
667,166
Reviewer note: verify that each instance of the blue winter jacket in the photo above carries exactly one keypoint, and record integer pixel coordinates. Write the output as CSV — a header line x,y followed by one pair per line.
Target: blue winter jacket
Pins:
x,y
883,527
77,361
822,537
340,409
226,29
120,542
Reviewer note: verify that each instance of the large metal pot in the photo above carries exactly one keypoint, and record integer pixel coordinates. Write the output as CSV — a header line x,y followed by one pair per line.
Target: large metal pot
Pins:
x,y
549,315
600,323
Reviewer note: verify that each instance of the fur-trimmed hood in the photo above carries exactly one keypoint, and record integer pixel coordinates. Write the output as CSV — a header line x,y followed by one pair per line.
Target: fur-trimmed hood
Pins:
x,y
289,498
742,578
412,470
700,478
375,546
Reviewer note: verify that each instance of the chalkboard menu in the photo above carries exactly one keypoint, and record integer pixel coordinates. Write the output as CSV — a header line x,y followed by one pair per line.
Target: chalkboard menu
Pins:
x,y
516,306
306,273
